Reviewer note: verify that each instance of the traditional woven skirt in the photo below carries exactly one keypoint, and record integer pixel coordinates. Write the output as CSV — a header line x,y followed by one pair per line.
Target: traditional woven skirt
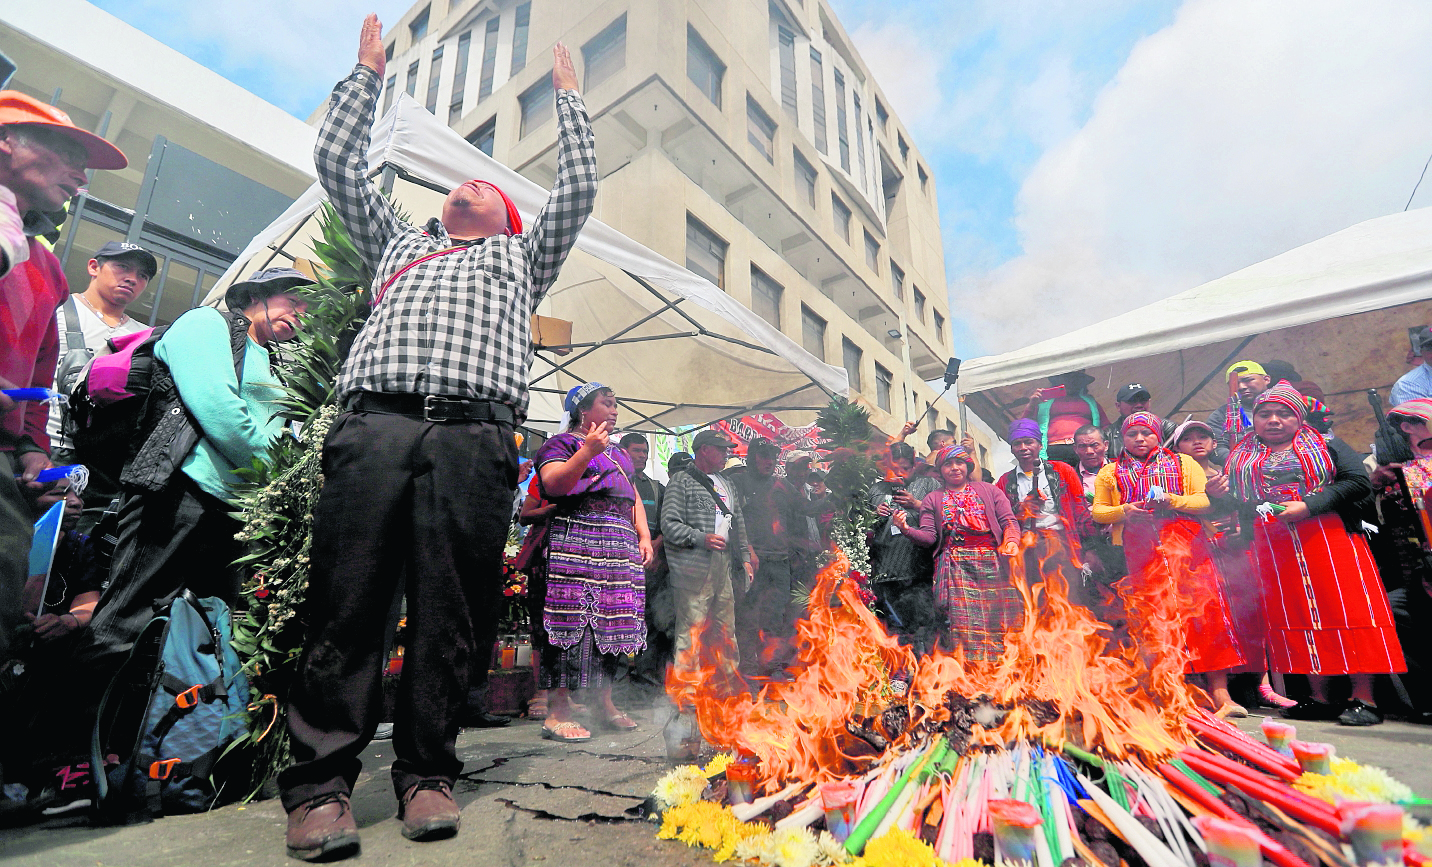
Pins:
x,y
1234,559
1327,611
981,604
1172,576
596,588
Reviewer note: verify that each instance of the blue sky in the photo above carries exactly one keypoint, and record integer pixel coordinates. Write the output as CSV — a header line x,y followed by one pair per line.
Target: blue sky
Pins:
x,y
1091,156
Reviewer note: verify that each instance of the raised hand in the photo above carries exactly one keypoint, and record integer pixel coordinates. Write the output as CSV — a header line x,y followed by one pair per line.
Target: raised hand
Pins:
x,y
370,45
564,74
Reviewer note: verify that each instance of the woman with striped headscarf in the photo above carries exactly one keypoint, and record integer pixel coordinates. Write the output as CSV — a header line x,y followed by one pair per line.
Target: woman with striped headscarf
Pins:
x,y
971,526
1149,494
1327,610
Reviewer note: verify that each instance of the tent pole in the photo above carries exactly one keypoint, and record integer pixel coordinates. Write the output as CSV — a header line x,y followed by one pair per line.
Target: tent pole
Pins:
x,y
1222,365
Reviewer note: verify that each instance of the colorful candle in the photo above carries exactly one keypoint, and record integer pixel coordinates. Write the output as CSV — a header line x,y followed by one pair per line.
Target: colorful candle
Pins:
x,y
1279,735
1313,758
1014,826
838,799
740,780
1375,832
1229,845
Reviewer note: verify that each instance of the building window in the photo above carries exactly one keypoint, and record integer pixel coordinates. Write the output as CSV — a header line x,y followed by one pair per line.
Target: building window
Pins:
x,y
841,134
904,148
897,281
883,382
537,106
388,52
418,27
817,99
805,177
859,143
766,297
760,130
703,67
519,37
605,54
919,304
489,59
786,51
939,327
812,333
850,356
390,89
435,71
412,87
872,252
705,252
882,116
484,137
842,217
924,179
459,77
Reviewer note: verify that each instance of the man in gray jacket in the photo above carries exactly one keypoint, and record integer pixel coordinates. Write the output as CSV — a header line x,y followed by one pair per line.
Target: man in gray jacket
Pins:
x,y
706,544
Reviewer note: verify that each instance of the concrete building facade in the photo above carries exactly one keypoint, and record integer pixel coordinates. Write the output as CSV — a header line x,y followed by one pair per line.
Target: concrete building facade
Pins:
x,y
209,162
743,138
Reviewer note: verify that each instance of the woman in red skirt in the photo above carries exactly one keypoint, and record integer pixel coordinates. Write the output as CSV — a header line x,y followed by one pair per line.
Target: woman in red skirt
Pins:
x,y
1327,611
1149,494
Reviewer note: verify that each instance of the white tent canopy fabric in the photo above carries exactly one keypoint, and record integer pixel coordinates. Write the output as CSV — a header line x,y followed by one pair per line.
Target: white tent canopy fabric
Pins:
x,y
676,349
1337,309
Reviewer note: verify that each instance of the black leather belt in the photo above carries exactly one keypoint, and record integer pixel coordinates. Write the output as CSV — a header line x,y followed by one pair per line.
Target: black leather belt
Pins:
x,y
432,407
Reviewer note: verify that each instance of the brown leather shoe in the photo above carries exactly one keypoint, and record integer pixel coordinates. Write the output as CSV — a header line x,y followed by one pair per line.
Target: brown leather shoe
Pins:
x,y
322,829
429,812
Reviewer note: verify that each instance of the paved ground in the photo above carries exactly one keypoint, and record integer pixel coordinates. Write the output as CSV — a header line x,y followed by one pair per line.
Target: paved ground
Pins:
x,y
525,801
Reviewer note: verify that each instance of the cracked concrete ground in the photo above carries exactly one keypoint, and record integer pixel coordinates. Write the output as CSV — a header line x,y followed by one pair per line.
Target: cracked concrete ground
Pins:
x,y
526,801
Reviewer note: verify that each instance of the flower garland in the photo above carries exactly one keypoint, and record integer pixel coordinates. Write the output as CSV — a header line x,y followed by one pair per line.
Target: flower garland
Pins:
x,y
1354,782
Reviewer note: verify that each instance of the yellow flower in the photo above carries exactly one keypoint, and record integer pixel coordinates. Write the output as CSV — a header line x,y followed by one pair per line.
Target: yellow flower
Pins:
x,y
1350,781
717,764
899,848
708,825
832,851
682,785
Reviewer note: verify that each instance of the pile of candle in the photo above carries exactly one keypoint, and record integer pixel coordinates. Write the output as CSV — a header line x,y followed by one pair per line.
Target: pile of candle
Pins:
x,y
1044,804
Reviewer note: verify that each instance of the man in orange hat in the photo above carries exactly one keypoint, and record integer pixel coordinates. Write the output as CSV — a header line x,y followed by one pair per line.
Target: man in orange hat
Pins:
x,y
43,158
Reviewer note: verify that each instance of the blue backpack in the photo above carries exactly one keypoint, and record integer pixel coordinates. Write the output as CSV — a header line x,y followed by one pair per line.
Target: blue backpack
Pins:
x,y
187,679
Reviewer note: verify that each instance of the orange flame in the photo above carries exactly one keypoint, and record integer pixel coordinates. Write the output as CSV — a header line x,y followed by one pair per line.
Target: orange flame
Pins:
x,y
1119,699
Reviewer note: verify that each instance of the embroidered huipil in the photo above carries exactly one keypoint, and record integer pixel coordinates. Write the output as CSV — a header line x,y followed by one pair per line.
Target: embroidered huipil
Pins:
x,y
457,325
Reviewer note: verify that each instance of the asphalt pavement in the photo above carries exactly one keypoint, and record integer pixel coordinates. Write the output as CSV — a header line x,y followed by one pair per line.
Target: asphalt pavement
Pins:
x,y
526,801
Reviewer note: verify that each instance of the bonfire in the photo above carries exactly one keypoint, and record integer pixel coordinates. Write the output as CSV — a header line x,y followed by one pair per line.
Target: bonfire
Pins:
x,y
1069,749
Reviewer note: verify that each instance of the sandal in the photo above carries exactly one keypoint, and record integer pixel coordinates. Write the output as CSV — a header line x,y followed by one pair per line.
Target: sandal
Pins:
x,y
620,722
537,708
1231,710
566,731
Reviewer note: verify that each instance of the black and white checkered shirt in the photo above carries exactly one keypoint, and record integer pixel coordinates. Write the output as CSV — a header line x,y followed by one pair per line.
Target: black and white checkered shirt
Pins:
x,y
457,325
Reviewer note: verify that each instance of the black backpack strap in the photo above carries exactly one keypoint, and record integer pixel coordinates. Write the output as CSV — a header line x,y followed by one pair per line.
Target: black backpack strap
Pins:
x,y
74,335
238,342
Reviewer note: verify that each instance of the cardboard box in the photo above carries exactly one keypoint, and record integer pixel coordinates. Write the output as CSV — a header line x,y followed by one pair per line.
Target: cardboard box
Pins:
x,y
548,332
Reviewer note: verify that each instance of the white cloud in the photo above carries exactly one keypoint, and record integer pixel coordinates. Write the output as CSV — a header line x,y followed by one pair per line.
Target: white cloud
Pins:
x,y
906,64
1241,130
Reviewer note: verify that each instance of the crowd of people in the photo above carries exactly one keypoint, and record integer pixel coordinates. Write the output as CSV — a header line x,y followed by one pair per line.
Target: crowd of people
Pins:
x,y
1252,522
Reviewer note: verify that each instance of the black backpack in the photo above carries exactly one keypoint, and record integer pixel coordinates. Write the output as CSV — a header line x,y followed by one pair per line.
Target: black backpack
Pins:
x,y
107,433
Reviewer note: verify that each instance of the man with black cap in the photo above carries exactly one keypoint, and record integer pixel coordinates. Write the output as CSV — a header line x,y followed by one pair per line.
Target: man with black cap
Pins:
x,y
87,321
1132,398
419,469
43,158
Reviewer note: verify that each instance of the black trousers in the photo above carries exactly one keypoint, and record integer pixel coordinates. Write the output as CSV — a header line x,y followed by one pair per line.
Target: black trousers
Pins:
x,y
177,538
16,528
765,622
401,498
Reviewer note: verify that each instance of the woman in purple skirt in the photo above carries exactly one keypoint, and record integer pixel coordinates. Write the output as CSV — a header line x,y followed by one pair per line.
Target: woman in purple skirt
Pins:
x,y
597,548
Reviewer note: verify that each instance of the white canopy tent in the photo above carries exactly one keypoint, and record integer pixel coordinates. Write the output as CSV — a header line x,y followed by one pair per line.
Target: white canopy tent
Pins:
x,y
676,349
1338,309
